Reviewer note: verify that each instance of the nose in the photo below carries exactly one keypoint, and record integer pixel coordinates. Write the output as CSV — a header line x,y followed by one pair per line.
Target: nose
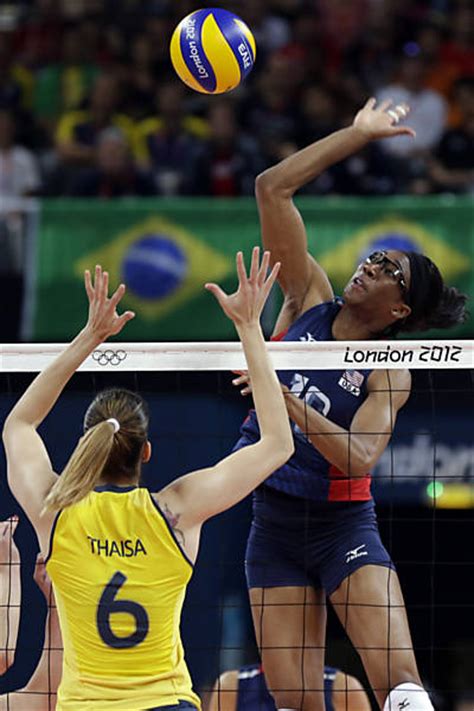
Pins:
x,y
371,269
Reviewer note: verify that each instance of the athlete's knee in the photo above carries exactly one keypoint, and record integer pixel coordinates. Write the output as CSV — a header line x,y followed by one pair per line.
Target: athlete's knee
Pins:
x,y
408,697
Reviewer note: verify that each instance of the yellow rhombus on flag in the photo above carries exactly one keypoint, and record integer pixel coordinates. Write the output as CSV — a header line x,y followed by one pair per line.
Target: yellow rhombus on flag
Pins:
x,y
341,261
203,264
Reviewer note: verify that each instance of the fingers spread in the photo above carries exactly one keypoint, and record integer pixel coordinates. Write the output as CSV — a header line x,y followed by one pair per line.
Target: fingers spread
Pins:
x,y
254,264
385,104
216,291
117,295
88,284
263,268
242,274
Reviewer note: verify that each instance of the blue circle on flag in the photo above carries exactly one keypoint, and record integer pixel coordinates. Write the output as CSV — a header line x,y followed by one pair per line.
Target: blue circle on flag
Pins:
x,y
391,240
154,266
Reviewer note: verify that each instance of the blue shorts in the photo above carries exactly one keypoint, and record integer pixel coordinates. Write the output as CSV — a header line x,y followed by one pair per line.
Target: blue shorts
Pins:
x,y
294,542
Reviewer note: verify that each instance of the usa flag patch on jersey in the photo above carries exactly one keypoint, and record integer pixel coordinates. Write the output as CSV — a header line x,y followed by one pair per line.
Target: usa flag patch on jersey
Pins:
x,y
351,381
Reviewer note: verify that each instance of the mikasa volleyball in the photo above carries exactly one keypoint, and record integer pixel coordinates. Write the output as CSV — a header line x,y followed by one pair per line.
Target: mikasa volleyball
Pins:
x,y
212,50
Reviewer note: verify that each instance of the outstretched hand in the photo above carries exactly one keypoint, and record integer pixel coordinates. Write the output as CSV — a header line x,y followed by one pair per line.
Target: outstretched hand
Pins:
x,y
104,320
245,306
382,121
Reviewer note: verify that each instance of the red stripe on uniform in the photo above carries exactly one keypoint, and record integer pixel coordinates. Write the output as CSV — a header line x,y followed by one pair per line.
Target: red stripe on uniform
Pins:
x,y
279,336
343,489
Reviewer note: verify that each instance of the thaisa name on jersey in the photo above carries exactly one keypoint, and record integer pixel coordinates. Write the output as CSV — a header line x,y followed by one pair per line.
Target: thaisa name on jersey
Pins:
x,y
426,354
123,549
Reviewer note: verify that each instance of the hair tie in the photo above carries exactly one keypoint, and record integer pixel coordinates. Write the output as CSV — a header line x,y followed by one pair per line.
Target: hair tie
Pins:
x,y
115,423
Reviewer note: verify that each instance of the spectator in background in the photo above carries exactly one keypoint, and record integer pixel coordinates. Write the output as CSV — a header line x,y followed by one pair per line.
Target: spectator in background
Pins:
x,y
19,177
270,111
16,82
452,165
428,108
140,78
77,131
165,143
114,174
38,39
271,32
227,164
19,174
371,57
63,86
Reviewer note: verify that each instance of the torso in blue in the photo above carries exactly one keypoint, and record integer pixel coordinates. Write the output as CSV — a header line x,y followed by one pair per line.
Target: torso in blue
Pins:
x,y
336,394
253,694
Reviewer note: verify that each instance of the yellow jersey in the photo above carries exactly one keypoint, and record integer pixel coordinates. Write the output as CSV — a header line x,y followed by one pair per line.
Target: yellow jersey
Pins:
x,y
119,578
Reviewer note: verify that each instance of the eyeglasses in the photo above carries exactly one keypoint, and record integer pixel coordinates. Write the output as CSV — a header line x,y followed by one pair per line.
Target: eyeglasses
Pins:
x,y
390,268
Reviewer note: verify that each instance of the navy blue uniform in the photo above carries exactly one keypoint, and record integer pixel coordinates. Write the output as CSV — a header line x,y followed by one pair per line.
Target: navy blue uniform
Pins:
x,y
313,525
253,694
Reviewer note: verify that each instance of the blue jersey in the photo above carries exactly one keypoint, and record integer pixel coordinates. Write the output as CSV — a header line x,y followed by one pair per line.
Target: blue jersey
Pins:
x,y
337,394
253,694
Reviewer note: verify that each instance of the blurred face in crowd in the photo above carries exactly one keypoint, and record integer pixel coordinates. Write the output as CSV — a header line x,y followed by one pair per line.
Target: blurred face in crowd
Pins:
x,y
412,73
170,99
223,123
7,130
142,51
105,94
318,105
113,155
72,51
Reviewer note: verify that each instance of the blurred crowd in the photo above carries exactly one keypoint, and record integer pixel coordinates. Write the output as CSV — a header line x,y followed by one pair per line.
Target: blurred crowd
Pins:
x,y
90,106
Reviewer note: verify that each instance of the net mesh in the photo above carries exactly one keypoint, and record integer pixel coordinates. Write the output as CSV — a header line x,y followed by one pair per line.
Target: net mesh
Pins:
x,y
423,486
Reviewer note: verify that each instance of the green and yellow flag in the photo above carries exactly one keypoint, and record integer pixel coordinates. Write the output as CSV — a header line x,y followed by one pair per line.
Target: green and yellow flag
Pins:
x,y
165,250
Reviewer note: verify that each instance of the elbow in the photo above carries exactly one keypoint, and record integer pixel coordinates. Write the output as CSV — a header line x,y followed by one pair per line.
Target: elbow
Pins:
x,y
269,185
280,450
359,467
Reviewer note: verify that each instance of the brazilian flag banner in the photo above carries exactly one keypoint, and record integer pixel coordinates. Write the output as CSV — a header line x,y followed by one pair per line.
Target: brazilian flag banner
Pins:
x,y
165,250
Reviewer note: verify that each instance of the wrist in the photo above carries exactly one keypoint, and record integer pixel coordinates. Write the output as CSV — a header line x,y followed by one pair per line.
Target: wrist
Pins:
x,y
361,134
89,338
248,327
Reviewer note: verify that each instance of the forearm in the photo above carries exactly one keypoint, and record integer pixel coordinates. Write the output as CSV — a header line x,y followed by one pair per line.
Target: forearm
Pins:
x,y
268,397
305,165
40,397
344,450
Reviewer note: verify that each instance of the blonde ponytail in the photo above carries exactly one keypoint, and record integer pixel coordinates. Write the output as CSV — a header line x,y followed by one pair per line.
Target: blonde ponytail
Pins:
x,y
84,468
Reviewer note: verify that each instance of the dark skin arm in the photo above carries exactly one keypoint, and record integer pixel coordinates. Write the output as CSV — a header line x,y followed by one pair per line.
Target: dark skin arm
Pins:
x,y
356,451
304,283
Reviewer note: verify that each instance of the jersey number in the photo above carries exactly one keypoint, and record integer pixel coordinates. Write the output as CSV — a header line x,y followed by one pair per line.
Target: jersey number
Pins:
x,y
108,606
311,395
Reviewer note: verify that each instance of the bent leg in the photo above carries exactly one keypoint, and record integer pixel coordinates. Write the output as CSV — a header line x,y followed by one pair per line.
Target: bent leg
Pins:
x,y
370,606
290,626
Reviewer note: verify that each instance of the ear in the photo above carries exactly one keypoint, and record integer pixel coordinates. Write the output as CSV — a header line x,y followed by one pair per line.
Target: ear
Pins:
x,y
401,311
146,454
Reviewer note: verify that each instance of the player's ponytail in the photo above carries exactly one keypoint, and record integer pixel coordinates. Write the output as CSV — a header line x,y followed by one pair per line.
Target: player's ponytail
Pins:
x,y
84,468
115,432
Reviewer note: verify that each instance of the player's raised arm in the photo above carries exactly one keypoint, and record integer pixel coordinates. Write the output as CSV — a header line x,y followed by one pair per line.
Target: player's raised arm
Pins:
x,y
207,492
303,281
30,474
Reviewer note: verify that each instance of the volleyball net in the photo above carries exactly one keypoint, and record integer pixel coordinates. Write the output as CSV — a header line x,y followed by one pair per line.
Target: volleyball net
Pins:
x,y
423,485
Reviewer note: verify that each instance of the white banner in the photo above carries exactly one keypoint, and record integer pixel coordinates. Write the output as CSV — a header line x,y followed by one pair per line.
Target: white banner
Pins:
x,y
327,355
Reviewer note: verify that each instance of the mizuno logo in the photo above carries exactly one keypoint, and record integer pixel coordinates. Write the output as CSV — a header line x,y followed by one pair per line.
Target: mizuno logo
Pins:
x,y
308,338
404,704
355,553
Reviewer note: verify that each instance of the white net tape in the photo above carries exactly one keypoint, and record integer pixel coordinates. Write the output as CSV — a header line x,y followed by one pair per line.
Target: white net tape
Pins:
x,y
327,355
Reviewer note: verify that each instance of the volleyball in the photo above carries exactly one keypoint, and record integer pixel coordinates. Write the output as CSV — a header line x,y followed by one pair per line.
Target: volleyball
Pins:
x,y
212,50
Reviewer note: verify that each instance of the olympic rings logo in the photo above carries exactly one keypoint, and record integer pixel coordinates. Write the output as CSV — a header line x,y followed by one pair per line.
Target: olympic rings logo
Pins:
x,y
109,357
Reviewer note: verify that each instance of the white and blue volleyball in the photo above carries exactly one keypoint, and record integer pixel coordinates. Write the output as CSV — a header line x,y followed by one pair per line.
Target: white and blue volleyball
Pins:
x,y
212,50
